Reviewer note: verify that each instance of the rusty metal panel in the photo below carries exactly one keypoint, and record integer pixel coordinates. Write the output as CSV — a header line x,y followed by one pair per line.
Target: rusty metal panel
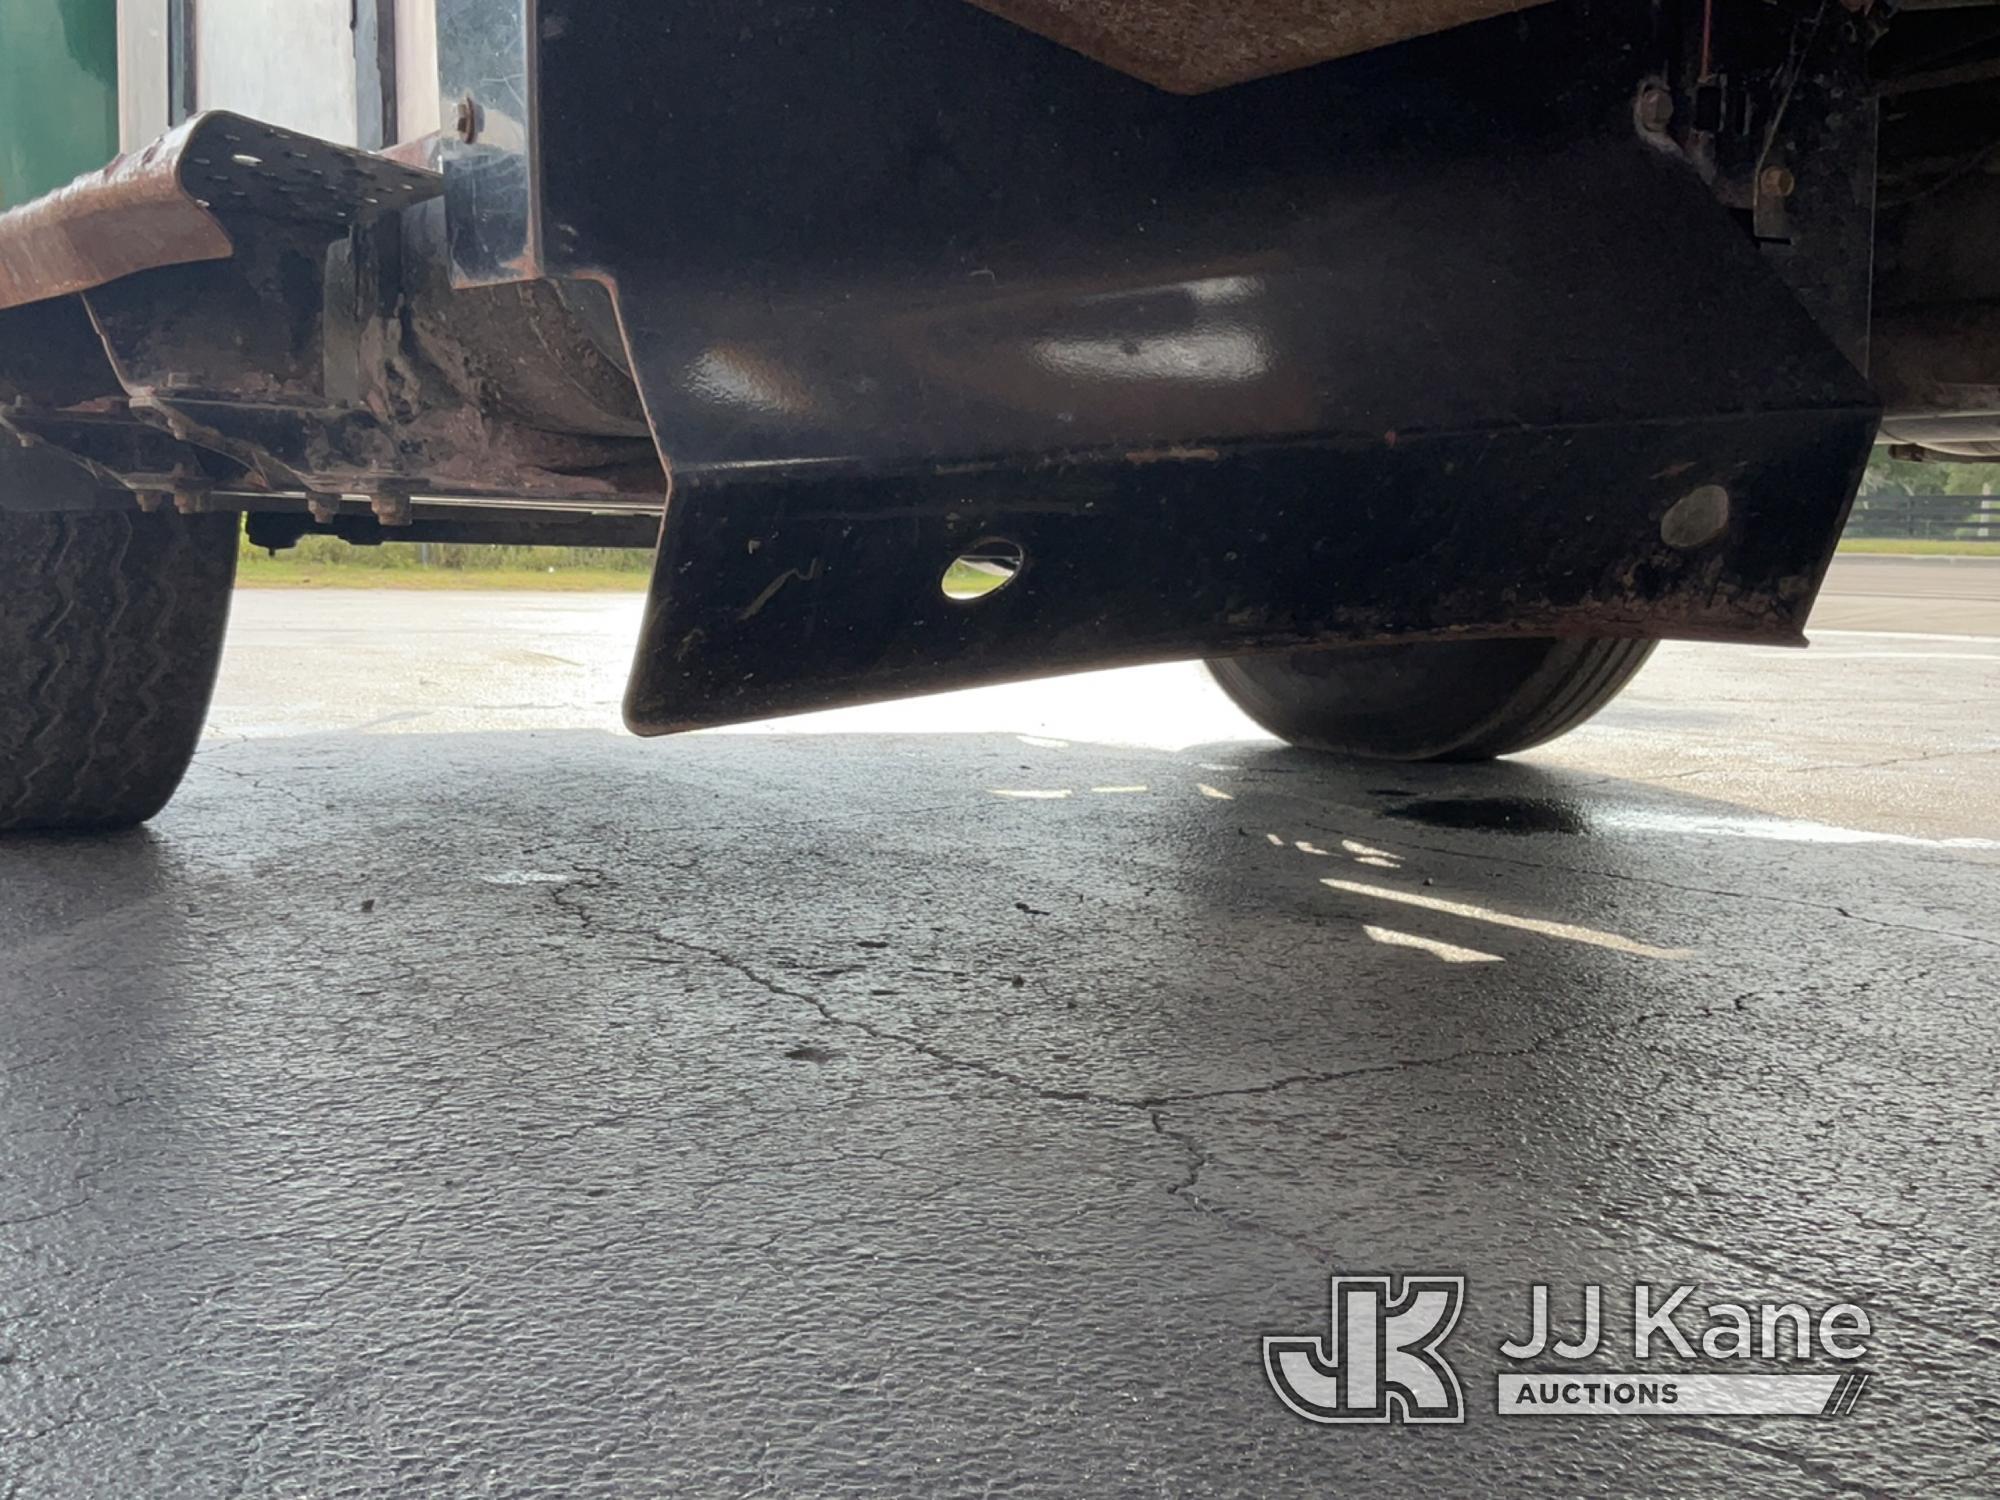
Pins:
x,y
168,205
131,216
1191,46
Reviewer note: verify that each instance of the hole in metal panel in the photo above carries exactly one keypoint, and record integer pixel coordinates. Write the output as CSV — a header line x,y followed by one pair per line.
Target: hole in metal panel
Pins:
x,y
985,568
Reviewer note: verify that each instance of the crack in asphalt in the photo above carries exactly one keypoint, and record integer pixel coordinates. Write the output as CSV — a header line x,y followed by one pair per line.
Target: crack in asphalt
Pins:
x,y
900,1038
579,901
1153,1106
284,785
569,898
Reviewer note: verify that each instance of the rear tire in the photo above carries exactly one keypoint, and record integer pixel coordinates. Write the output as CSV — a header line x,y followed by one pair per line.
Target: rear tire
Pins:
x,y
1430,700
111,629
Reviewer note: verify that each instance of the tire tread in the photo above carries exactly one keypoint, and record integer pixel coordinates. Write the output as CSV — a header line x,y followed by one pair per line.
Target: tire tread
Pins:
x,y
119,618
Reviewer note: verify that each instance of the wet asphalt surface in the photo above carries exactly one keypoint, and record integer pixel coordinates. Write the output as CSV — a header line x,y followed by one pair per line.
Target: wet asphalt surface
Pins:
x,y
536,1111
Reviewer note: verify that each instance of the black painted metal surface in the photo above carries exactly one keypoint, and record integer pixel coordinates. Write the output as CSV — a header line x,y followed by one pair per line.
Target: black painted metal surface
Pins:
x,y
1419,344
777,599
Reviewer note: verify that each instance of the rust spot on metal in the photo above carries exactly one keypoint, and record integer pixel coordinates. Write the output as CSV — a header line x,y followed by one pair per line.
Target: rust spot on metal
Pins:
x,y
1191,46
169,204
131,216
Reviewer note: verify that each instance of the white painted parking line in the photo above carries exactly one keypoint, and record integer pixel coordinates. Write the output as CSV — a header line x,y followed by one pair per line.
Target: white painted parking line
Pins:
x,y
1568,931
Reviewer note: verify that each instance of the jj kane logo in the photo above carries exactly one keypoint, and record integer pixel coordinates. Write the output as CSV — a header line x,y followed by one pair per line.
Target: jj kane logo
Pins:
x,y
1380,1362
1381,1359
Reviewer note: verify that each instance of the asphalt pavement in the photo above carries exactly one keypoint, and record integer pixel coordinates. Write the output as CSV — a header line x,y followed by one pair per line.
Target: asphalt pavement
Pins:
x,y
452,1096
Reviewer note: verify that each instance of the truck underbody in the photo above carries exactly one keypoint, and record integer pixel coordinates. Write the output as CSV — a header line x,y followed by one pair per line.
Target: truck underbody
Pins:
x,y
1550,324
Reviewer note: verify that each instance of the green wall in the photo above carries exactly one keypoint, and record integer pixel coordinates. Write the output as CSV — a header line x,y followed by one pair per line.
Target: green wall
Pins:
x,y
58,93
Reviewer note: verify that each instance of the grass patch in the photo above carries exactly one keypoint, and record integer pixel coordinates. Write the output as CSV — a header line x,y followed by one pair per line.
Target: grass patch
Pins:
x,y
262,572
1897,546
324,562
